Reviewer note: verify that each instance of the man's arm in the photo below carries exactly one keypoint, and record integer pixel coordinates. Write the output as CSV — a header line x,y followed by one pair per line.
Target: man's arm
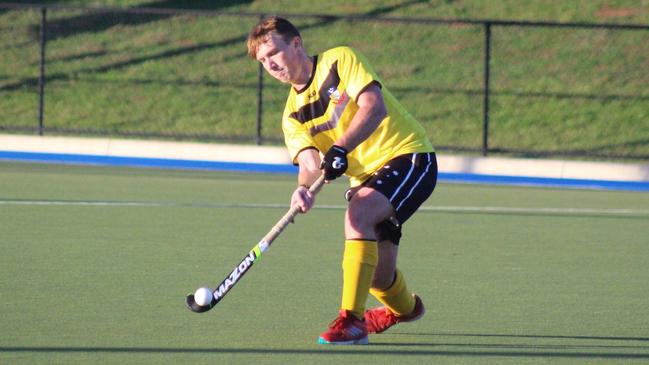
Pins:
x,y
371,111
309,166
309,170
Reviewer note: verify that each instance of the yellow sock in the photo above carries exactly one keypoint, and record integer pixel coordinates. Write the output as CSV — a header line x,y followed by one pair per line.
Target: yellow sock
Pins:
x,y
397,297
359,261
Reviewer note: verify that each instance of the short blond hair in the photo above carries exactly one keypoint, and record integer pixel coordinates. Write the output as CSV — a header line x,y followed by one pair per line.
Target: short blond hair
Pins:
x,y
259,33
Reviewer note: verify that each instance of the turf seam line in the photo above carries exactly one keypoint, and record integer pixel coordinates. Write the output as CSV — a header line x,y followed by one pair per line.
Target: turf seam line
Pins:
x,y
442,209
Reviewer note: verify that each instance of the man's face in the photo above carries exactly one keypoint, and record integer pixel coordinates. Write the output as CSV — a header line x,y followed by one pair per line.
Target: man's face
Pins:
x,y
279,58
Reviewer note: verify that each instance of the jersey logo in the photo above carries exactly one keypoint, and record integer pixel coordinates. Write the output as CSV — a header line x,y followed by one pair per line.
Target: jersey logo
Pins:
x,y
335,95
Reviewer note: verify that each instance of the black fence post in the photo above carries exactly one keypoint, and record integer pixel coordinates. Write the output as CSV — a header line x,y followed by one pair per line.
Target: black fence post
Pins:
x,y
485,107
260,98
41,78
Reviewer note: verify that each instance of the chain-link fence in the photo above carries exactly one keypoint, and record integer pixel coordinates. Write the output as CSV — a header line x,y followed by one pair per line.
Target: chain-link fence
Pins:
x,y
480,86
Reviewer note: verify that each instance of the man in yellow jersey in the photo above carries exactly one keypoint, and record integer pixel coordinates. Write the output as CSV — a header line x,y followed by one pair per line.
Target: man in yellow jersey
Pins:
x,y
339,109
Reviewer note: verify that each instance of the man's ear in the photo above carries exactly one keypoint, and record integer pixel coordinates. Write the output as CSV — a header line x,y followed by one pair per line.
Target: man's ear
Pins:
x,y
296,42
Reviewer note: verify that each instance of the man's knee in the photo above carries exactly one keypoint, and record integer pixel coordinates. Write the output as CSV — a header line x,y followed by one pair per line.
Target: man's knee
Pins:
x,y
367,208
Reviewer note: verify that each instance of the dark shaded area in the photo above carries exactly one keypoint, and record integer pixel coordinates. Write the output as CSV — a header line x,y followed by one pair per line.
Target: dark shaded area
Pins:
x,y
95,21
461,349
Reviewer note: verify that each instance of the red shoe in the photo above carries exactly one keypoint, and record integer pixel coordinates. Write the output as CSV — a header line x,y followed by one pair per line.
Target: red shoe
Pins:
x,y
345,330
380,319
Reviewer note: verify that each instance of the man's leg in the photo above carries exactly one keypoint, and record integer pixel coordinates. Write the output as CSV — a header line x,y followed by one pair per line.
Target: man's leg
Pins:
x,y
375,213
408,181
360,258
389,285
366,209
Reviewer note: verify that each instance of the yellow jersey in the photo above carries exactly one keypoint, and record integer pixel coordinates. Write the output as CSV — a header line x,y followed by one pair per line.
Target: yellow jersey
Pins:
x,y
317,115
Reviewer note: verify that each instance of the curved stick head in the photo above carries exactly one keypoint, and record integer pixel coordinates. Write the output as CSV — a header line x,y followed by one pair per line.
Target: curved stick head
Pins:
x,y
194,307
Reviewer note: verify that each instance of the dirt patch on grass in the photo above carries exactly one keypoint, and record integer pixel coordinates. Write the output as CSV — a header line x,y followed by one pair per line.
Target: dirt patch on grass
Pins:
x,y
606,12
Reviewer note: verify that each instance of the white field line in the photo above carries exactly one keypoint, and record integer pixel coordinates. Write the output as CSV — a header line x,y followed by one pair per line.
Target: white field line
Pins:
x,y
442,209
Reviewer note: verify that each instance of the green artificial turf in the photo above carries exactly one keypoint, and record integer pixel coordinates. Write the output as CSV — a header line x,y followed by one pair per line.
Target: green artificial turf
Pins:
x,y
96,262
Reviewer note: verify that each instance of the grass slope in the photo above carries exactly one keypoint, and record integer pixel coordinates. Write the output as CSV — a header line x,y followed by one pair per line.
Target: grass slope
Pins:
x,y
554,89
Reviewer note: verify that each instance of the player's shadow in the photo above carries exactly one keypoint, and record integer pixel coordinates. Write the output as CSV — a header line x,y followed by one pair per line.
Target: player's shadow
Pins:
x,y
523,346
611,348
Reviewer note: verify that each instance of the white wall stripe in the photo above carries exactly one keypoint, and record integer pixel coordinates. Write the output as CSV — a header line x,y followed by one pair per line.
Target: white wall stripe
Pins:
x,y
498,166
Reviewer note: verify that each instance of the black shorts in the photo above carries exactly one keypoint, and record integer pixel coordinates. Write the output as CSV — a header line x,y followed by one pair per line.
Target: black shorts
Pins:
x,y
407,181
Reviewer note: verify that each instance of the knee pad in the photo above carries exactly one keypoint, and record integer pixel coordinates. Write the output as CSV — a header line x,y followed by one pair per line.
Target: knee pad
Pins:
x,y
388,231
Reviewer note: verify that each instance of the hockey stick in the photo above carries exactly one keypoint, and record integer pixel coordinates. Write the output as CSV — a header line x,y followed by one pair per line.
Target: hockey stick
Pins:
x,y
252,256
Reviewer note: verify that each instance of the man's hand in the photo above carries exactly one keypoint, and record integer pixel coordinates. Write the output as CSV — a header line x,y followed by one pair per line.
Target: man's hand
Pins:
x,y
334,163
303,198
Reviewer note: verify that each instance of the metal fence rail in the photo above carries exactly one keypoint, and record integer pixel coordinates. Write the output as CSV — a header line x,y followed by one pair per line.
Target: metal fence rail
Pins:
x,y
486,91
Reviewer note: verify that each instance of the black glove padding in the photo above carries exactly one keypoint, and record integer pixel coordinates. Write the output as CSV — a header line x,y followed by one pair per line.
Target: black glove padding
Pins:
x,y
334,163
